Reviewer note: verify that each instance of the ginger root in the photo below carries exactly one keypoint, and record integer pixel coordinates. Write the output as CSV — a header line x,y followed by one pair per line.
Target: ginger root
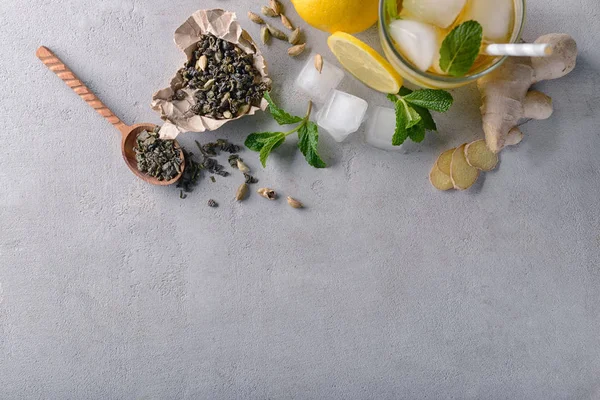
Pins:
x,y
505,91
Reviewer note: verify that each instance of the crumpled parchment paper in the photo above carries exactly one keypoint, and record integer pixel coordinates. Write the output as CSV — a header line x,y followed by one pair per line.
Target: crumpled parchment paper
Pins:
x,y
177,115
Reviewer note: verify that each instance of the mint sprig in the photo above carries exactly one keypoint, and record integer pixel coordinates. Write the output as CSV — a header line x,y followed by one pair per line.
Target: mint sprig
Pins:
x,y
308,135
460,48
413,117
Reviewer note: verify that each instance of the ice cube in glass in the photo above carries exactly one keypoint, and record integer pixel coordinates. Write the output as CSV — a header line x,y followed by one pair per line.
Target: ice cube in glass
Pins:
x,y
342,114
495,16
318,85
380,129
441,13
419,42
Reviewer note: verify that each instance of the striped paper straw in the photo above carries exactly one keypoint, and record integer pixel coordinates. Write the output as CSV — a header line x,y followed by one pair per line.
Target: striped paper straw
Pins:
x,y
518,49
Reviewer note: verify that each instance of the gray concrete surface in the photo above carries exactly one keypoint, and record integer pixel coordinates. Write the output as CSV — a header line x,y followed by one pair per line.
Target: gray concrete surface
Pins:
x,y
383,288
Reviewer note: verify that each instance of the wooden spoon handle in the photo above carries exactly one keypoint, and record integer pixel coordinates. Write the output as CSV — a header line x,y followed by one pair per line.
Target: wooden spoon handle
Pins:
x,y
59,68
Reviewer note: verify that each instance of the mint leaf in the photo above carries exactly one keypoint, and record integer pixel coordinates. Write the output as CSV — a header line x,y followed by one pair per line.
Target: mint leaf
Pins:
x,y
256,141
308,136
279,114
436,100
426,117
269,146
391,6
411,116
401,133
404,91
417,132
392,97
460,48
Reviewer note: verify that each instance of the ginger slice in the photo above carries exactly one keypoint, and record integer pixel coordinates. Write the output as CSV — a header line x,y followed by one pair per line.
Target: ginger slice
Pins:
x,y
479,156
440,180
463,176
443,161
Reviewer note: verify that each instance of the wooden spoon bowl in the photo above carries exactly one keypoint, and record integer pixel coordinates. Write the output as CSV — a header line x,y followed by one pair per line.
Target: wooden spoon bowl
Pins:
x,y
128,145
128,133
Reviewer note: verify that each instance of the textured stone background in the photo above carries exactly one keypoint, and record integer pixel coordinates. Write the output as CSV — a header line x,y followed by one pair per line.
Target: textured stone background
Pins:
x,y
382,288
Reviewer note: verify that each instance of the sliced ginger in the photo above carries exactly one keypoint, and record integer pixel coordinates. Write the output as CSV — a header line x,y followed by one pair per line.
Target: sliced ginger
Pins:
x,y
440,180
443,161
463,175
478,155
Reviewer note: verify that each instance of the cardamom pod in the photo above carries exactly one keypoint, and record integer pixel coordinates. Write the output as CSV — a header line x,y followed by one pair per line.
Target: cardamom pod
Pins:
x,y
319,62
265,35
286,22
267,193
295,36
241,192
225,99
294,203
243,110
268,11
255,18
242,167
201,63
209,83
276,6
277,33
296,50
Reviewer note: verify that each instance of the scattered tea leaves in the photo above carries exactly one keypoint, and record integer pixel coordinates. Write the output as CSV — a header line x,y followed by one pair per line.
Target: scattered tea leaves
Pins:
x,y
249,179
206,162
233,160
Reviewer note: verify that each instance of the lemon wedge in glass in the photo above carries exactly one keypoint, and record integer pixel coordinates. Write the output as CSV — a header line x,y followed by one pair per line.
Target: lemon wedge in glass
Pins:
x,y
362,61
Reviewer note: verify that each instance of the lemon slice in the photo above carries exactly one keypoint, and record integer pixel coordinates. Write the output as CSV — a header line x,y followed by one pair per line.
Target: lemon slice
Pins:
x,y
364,63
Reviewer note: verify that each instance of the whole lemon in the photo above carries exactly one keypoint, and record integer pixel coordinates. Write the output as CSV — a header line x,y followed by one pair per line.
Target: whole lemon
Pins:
x,y
350,16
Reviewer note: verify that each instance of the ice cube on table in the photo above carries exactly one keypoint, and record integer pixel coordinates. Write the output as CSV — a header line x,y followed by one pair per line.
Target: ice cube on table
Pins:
x,y
318,85
418,42
341,114
495,16
380,129
441,13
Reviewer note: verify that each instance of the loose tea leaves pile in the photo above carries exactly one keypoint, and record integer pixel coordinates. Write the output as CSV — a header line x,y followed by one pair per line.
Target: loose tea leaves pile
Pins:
x,y
224,78
156,157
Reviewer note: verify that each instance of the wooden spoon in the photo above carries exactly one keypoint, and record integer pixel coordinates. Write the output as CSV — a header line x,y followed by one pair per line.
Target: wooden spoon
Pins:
x,y
129,133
